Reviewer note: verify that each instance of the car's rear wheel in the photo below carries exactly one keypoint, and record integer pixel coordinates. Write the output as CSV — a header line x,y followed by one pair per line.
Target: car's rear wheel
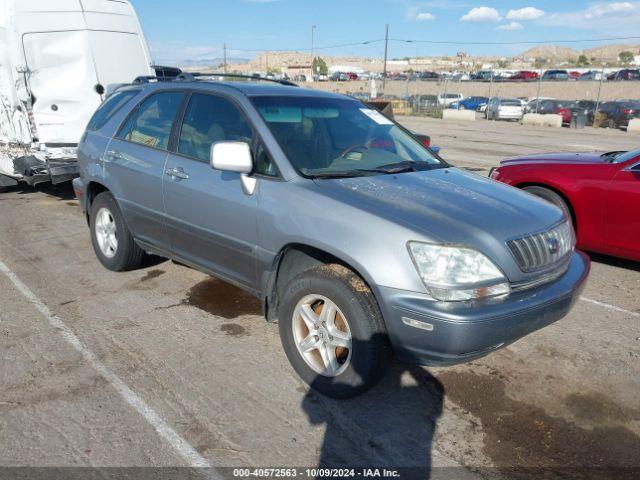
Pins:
x,y
552,197
112,241
332,331
611,123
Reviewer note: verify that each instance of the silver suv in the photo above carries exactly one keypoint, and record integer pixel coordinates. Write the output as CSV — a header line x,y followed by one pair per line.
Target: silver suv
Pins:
x,y
355,237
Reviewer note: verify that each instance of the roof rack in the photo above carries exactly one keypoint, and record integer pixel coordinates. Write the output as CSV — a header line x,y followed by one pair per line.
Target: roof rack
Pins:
x,y
194,76
150,78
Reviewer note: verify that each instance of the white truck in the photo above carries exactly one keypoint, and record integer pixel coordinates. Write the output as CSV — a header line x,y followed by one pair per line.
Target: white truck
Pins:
x,y
58,60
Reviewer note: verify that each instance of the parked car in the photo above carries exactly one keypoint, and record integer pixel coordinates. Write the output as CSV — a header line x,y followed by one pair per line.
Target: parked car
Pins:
x,y
426,102
470,103
593,75
483,75
558,107
428,76
618,114
599,192
573,75
524,76
626,74
532,105
504,109
449,98
555,75
245,181
460,77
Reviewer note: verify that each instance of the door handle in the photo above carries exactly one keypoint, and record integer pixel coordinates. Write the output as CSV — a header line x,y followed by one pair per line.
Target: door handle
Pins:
x,y
176,173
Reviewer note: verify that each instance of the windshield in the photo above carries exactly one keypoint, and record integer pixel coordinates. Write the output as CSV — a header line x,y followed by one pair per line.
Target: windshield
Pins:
x,y
621,157
510,102
324,137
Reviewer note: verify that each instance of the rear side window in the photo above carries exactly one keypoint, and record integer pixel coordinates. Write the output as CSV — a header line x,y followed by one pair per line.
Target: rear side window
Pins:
x,y
211,119
109,107
152,122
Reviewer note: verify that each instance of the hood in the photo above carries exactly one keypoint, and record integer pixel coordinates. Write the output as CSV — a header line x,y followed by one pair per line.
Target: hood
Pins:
x,y
572,158
447,205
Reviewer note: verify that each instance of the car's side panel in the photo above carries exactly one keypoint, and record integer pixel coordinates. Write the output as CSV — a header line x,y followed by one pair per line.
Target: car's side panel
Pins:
x,y
211,221
134,176
621,219
583,186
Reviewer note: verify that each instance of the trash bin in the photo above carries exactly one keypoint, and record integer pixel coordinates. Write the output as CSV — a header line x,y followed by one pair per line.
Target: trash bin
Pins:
x,y
578,119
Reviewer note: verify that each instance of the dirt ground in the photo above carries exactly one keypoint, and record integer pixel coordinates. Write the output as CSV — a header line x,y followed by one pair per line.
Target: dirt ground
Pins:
x,y
560,90
166,350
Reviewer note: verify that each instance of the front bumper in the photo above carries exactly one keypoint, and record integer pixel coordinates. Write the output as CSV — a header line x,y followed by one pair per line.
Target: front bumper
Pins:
x,y
457,332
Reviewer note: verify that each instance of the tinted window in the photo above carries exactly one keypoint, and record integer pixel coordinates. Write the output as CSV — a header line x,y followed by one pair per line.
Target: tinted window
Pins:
x,y
211,119
109,107
151,124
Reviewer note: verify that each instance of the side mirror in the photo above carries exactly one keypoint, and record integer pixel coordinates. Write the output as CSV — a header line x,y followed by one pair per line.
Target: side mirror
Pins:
x,y
231,157
235,157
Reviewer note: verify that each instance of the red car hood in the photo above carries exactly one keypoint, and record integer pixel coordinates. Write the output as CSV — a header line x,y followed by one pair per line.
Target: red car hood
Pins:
x,y
574,158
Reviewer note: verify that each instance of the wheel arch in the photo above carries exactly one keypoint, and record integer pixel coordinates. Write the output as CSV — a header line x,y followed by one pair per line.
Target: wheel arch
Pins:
x,y
558,191
292,260
94,188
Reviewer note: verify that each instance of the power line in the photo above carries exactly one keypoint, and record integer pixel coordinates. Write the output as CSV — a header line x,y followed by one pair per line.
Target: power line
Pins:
x,y
340,45
529,42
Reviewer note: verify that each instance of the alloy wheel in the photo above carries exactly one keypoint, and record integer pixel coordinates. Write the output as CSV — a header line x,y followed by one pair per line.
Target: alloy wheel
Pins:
x,y
106,233
322,335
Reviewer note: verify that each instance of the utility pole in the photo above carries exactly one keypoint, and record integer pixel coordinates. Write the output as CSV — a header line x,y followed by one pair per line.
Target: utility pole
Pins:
x,y
539,86
313,28
224,49
384,68
599,91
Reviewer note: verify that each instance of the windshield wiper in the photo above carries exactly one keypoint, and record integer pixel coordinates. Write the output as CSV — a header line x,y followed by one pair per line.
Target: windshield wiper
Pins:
x,y
392,168
344,174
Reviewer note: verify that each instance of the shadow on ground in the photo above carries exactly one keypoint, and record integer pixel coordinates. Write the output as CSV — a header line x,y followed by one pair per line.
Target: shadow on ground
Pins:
x,y
390,426
615,261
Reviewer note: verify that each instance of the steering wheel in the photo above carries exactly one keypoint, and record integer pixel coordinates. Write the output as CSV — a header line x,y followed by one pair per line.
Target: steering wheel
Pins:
x,y
353,148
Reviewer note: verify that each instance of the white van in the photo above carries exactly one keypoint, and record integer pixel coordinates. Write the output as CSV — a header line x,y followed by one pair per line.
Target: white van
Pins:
x,y
58,59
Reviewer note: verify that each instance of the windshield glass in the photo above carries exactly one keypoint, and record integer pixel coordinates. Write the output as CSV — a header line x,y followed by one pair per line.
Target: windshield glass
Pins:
x,y
340,137
510,102
622,157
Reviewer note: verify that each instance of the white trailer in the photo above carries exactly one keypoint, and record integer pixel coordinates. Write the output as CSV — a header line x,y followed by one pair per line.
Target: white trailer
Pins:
x,y
58,59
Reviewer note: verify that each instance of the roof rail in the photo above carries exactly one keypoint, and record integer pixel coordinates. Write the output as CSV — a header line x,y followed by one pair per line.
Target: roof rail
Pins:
x,y
150,78
194,76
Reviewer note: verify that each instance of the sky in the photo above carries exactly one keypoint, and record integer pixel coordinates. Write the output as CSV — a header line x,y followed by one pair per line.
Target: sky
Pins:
x,y
180,30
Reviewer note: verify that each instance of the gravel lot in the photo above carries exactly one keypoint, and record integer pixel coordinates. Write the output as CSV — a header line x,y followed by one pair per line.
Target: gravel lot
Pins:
x,y
165,366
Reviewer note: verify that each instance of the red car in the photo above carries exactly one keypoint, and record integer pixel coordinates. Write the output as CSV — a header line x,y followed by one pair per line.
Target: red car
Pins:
x,y
599,192
525,75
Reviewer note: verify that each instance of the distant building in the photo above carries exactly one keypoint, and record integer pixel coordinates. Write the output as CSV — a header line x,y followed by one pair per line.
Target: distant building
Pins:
x,y
296,70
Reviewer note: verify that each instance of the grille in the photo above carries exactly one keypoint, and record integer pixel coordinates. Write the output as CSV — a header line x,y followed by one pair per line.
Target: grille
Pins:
x,y
535,252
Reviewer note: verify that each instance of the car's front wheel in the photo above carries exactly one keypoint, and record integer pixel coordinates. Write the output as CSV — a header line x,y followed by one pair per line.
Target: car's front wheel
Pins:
x,y
332,331
112,241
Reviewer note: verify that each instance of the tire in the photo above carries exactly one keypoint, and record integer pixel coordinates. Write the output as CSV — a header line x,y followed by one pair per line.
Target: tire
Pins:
x,y
552,197
611,123
121,255
359,367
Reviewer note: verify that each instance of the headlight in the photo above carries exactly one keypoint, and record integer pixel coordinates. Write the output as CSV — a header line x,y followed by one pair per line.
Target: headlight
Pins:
x,y
457,273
